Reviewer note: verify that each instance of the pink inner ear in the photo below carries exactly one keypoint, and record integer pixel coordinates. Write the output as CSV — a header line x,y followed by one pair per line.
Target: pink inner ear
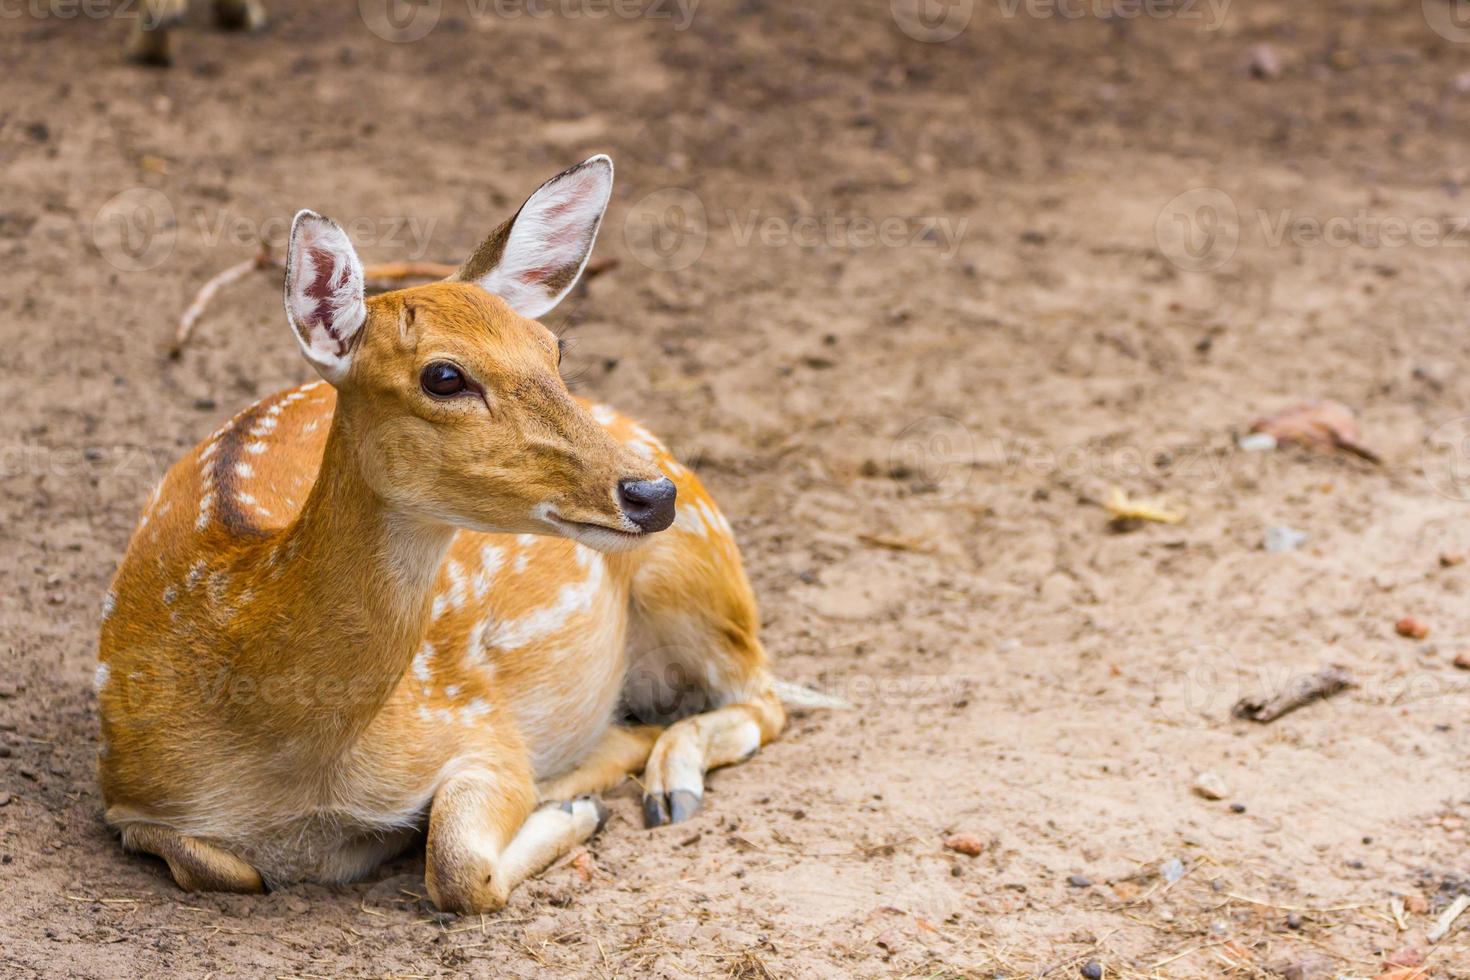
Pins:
x,y
322,290
568,237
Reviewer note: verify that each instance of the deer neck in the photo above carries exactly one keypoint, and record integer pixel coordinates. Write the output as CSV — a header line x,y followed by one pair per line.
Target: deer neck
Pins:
x,y
350,609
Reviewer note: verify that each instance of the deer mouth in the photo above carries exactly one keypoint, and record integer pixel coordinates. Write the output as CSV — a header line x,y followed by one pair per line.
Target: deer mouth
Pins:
x,y
599,537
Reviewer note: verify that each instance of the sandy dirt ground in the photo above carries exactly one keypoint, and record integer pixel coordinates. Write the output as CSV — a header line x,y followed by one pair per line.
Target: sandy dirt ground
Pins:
x,y
913,307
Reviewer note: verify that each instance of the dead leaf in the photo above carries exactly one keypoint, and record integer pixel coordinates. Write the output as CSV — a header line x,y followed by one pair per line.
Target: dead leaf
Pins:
x,y
1123,508
1322,425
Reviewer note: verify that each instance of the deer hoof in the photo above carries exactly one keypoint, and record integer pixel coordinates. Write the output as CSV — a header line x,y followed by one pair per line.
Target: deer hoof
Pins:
x,y
674,807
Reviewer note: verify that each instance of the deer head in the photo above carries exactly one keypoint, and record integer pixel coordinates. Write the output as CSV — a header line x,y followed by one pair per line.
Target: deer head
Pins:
x,y
449,394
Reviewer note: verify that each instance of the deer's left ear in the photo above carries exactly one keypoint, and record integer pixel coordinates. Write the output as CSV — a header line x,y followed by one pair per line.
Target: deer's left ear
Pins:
x,y
535,258
326,300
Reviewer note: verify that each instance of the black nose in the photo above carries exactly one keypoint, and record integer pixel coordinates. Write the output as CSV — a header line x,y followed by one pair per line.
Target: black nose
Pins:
x,y
648,503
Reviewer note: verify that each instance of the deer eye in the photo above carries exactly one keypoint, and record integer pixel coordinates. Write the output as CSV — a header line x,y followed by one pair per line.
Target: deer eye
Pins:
x,y
443,380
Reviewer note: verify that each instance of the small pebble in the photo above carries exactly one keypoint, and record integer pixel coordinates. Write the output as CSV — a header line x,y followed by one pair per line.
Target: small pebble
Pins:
x,y
1449,559
1079,881
1092,970
1411,628
1265,62
1257,442
1237,808
1293,921
1210,786
6,799
1407,957
971,845
1279,540
1172,870
1462,660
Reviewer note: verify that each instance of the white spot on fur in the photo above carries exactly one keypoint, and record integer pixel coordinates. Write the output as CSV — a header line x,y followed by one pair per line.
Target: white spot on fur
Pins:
x,y
437,608
100,676
255,448
421,666
457,595
206,502
476,709
196,572
244,469
169,595
109,603
476,646
573,599
687,518
491,559
603,415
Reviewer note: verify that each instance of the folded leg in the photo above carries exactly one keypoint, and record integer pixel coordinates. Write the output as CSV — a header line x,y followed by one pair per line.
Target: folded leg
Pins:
x,y
622,752
486,837
196,865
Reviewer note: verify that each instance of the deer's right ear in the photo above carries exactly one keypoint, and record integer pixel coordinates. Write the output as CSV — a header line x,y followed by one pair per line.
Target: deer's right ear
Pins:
x,y
326,300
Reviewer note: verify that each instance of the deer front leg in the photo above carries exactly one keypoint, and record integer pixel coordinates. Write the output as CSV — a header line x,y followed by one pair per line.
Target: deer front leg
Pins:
x,y
150,42
673,781
486,837
623,751
697,663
